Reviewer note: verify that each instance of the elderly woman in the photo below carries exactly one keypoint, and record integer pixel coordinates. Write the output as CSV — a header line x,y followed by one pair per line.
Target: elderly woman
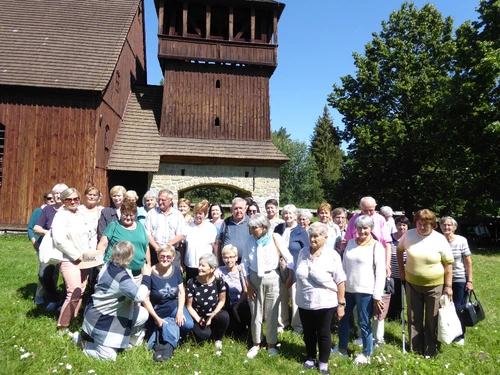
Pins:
x,y
200,239
364,265
71,237
112,213
206,296
260,263
320,293
334,234
402,225
167,296
91,212
127,229
428,266
462,266
304,217
113,320
237,303
296,239
48,274
184,207
216,215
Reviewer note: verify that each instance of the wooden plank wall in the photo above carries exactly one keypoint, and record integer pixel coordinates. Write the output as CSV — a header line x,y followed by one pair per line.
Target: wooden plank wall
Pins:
x,y
49,139
192,102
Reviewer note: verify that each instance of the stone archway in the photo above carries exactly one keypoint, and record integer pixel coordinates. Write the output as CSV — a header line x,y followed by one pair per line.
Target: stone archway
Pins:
x,y
262,183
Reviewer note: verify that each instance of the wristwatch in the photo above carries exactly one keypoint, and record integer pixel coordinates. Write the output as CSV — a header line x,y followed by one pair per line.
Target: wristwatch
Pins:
x,y
342,304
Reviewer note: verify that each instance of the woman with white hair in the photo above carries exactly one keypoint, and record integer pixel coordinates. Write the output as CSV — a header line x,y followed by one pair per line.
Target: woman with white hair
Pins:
x,y
260,261
304,218
113,319
296,239
364,265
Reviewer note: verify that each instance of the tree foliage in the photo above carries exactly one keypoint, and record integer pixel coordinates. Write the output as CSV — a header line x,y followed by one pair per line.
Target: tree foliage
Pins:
x,y
402,147
299,182
325,148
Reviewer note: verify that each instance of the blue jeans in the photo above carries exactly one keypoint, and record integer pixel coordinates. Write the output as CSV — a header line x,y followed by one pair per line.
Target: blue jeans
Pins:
x,y
365,307
459,298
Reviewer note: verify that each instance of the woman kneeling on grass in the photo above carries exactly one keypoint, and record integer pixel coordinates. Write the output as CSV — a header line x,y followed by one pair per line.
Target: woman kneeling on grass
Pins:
x,y
113,321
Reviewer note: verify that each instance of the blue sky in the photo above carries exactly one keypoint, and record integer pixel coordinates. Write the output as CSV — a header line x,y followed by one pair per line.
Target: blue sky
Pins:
x,y
316,41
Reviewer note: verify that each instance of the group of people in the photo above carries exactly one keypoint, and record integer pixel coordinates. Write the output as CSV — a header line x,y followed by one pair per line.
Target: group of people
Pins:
x,y
244,270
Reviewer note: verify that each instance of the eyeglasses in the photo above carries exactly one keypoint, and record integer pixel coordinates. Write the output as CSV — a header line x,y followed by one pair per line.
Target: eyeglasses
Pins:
x,y
128,215
71,200
167,257
229,257
49,198
252,211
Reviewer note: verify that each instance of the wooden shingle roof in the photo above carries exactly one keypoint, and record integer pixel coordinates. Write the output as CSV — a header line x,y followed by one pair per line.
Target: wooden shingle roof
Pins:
x,y
71,44
139,147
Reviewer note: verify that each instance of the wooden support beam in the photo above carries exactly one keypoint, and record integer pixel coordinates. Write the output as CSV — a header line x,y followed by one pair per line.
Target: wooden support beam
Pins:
x,y
171,29
275,24
208,21
252,25
184,19
161,16
231,23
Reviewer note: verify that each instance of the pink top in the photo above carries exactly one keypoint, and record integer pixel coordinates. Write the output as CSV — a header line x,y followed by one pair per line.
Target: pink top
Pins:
x,y
380,230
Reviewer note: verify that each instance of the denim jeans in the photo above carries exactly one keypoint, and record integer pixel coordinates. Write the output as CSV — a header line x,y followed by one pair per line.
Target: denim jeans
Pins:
x,y
364,302
459,298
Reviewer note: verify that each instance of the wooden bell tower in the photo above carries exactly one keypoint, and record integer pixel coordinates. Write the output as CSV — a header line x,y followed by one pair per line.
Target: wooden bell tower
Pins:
x,y
217,57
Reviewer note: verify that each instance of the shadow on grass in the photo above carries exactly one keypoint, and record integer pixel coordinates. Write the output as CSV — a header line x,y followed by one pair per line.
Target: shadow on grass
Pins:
x,y
485,250
27,292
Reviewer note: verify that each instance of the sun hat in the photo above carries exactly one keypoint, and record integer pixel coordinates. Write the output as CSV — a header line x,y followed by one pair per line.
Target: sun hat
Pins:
x,y
92,258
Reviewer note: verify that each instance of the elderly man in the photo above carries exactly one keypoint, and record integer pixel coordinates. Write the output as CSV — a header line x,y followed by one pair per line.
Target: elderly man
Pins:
x,y
388,214
367,206
164,226
234,230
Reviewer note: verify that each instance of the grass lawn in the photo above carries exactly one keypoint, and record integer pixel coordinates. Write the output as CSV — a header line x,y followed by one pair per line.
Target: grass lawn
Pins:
x,y
27,329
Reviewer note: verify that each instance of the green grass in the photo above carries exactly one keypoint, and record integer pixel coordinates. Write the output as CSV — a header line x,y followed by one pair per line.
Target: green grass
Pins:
x,y
24,326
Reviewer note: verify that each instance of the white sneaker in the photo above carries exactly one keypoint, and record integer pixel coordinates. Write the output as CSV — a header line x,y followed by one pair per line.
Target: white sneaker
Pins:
x,y
460,342
361,359
281,330
358,341
218,344
252,353
272,352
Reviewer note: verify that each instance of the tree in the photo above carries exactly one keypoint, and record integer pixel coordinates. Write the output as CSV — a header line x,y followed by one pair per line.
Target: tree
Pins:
x,y
393,111
299,182
325,148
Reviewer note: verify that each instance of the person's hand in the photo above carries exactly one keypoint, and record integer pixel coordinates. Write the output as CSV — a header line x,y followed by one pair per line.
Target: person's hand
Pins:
x,y
251,292
340,312
78,261
289,282
239,267
388,271
217,273
448,291
235,313
469,286
379,306
160,322
209,320
180,319
146,270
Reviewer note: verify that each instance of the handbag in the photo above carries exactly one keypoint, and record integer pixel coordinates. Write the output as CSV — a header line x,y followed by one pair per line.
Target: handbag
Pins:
x,y
449,325
471,312
48,253
162,352
282,264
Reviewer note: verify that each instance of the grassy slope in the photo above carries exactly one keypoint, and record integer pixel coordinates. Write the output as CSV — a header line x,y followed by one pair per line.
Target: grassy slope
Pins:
x,y
24,326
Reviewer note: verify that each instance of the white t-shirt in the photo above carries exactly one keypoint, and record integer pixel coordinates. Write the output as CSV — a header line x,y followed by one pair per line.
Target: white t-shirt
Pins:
x,y
199,239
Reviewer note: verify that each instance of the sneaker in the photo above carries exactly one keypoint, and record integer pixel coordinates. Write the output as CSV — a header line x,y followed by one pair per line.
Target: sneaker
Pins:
x,y
335,351
252,353
361,359
358,341
51,306
459,342
272,352
281,330
218,344
39,300
309,364
378,343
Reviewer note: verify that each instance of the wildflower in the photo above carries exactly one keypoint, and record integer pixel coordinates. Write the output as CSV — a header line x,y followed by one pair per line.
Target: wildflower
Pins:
x,y
447,365
91,371
25,355
54,370
60,363
196,355
21,349
218,353
68,367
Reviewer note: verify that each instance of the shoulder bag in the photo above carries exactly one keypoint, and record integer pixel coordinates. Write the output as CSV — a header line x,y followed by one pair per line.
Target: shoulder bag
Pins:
x,y
471,312
48,253
282,264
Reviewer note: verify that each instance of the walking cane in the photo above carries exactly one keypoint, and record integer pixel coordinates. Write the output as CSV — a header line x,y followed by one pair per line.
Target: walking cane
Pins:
x,y
403,314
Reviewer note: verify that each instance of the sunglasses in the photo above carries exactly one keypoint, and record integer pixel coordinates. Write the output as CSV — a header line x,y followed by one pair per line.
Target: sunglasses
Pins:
x,y
167,257
71,200
49,198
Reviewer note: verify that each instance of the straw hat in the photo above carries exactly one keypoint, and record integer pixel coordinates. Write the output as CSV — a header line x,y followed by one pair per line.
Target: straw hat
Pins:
x,y
92,258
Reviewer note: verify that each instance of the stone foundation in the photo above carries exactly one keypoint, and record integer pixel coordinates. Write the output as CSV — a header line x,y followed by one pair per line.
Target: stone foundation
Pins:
x,y
262,183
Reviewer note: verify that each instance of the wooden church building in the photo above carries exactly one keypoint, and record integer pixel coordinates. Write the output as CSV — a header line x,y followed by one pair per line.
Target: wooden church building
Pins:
x,y
75,106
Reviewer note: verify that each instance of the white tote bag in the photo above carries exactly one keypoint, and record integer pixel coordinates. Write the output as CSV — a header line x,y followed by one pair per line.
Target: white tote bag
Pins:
x,y
48,252
449,325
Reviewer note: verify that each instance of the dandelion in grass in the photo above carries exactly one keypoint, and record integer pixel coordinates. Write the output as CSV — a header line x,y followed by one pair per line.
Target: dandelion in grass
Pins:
x,y
68,367
25,355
